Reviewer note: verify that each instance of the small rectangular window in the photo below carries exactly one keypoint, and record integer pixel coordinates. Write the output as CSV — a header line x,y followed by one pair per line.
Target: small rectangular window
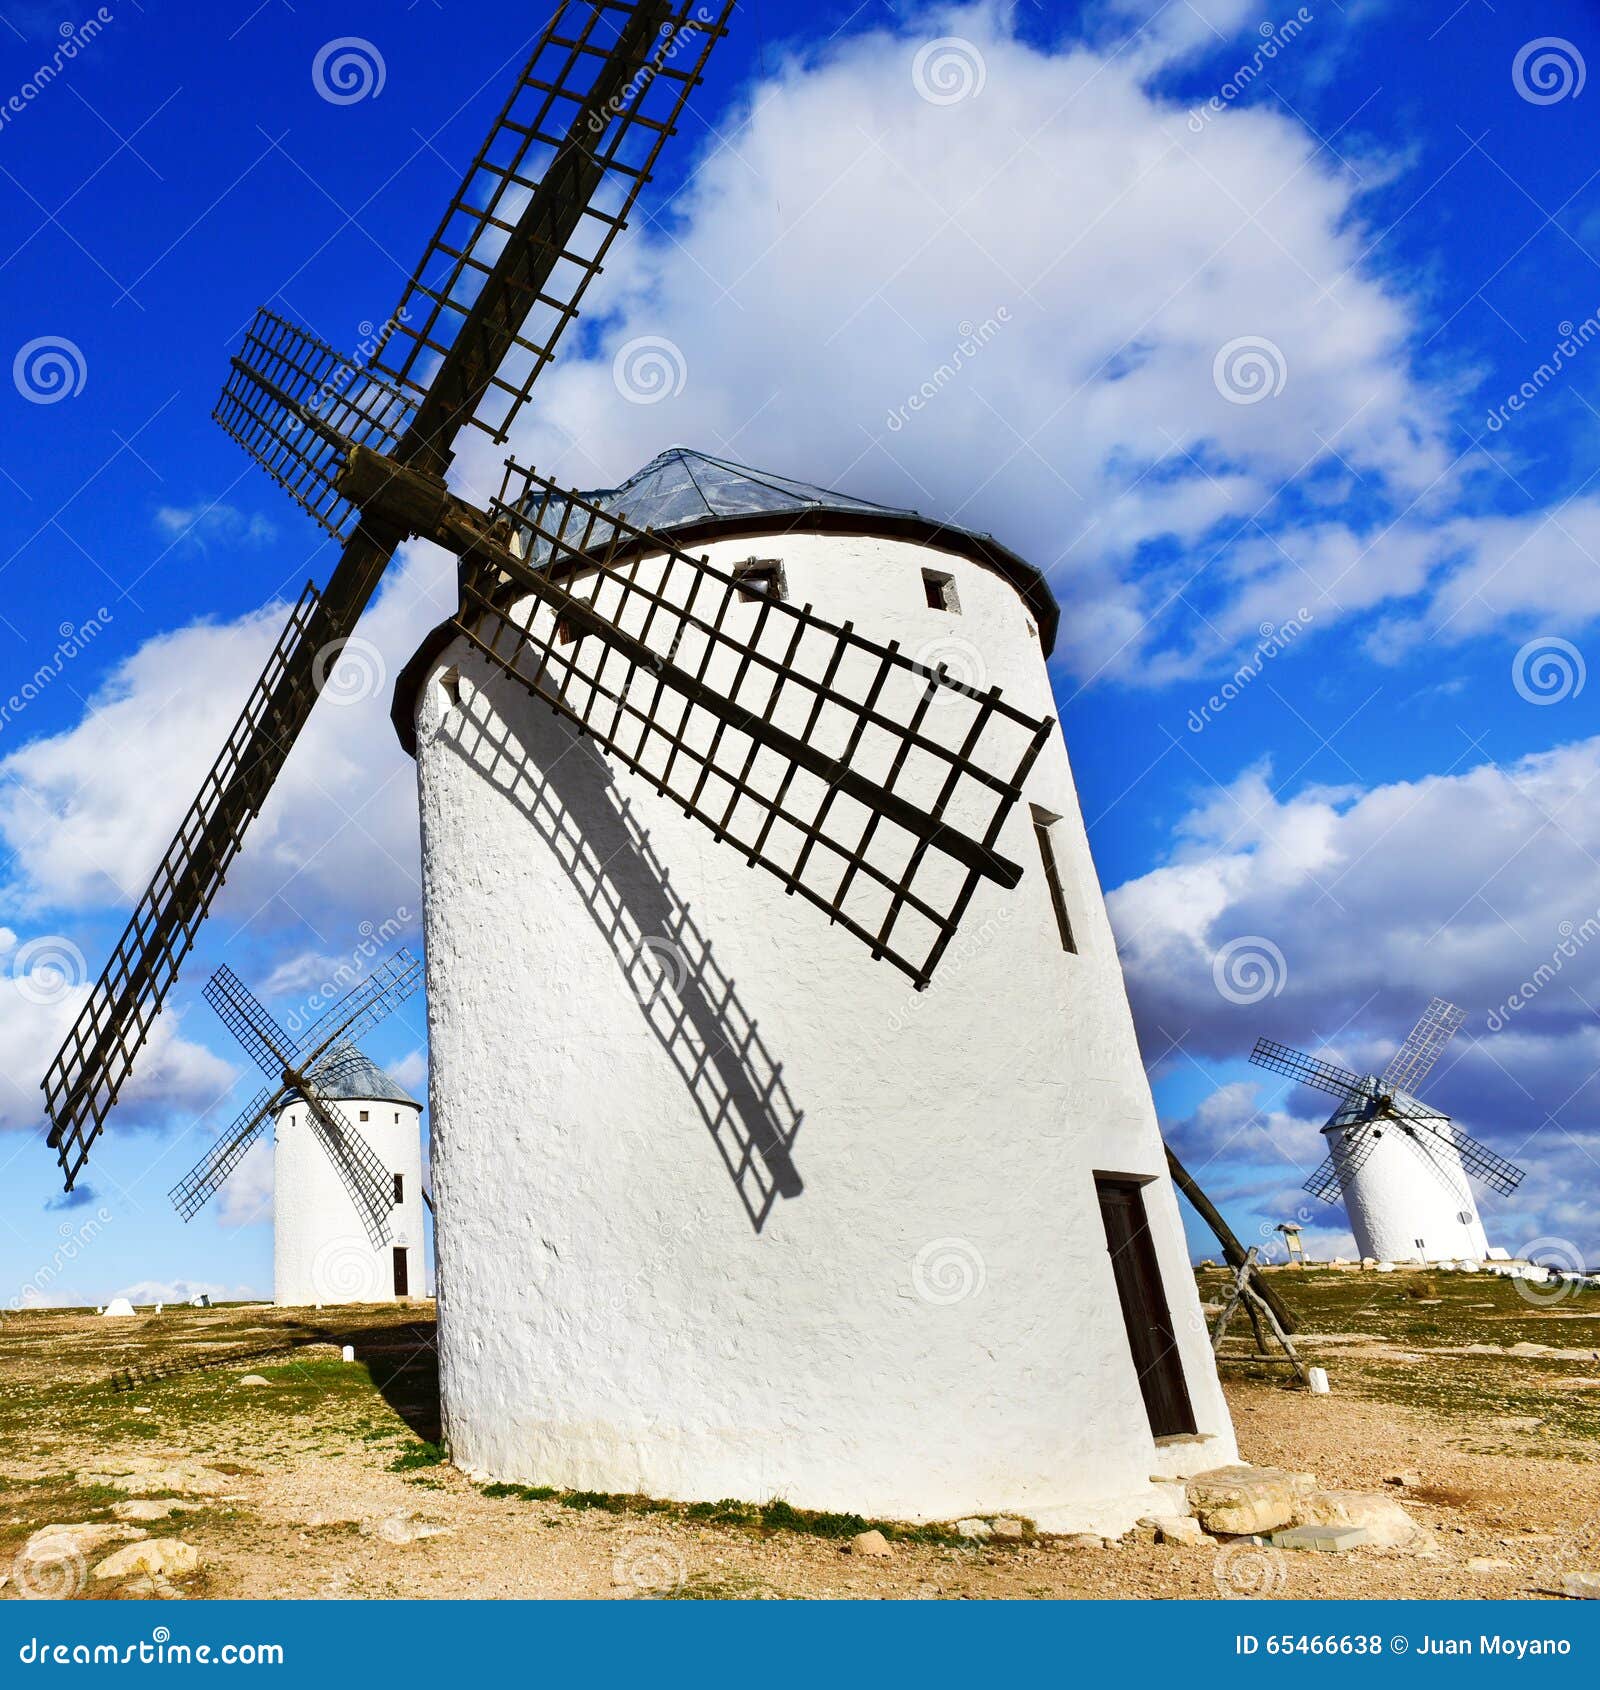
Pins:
x,y
566,632
761,578
940,591
1043,824
399,1188
364,1114
397,1117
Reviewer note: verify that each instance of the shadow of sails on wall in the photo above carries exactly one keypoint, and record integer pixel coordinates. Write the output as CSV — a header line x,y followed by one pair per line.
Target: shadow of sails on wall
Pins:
x,y
873,786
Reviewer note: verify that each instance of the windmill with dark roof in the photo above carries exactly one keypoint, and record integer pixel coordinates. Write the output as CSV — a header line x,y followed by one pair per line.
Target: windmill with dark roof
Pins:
x,y
347,1165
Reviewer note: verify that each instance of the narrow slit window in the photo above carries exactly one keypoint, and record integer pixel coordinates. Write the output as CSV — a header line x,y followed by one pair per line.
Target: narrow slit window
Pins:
x,y
1043,830
566,631
940,591
399,1188
450,685
761,578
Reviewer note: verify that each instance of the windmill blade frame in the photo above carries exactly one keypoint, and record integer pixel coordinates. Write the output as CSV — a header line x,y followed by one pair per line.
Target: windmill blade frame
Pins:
x,y
207,1176
363,1176
795,740
244,1016
1423,1046
86,1076
88,1072
296,404
1279,1058
484,274
1488,1167
362,1008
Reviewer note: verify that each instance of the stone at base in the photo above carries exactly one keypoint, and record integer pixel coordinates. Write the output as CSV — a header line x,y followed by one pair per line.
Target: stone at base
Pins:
x,y
1177,1528
974,1528
872,1543
1328,1539
1236,1501
1007,1528
1583,1586
1386,1523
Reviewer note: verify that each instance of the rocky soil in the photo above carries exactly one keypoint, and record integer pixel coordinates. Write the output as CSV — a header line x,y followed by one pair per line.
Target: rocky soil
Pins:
x,y
135,1460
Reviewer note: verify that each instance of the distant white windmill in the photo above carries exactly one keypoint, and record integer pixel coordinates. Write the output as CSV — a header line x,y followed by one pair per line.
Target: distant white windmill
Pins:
x,y
1400,1167
347,1170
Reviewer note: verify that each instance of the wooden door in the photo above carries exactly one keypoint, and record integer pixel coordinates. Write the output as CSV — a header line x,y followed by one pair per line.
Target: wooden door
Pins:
x,y
1144,1307
400,1280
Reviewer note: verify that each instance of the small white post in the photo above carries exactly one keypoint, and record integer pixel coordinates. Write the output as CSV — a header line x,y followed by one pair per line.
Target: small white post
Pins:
x,y
350,1355
1317,1377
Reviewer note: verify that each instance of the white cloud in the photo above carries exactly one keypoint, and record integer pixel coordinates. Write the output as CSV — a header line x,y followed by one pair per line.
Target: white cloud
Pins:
x,y
1474,886
220,524
175,1076
85,813
821,265
174,1291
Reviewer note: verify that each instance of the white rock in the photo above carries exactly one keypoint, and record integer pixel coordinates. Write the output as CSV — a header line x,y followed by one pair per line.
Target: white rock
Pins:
x,y
161,1508
1237,1501
1585,1587
872,1543
254,1379
54,1543
974,1528
1386,1522
1178,1529
1003,1527
160,1557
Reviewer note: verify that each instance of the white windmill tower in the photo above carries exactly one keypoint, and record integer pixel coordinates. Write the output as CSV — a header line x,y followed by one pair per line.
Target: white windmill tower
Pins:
x,y
1400,1167
347,1190
725,1208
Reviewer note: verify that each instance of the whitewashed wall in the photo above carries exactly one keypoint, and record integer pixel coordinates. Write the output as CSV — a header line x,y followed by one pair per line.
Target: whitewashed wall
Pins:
x,y
779,1225
320,1249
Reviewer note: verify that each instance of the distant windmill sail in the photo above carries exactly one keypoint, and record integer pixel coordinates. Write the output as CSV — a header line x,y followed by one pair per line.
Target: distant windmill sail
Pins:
x,y
1370,1103
307,1068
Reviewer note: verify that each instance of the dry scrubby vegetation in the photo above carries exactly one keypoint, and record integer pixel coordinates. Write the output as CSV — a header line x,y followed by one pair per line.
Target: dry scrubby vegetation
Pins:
x,y
338,1483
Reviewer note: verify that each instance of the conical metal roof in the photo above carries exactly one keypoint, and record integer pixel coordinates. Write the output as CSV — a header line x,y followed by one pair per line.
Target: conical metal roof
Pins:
x,y
347,1074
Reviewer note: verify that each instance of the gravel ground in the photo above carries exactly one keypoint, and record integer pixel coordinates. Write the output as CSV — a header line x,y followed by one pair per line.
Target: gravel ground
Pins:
x,y
326,1483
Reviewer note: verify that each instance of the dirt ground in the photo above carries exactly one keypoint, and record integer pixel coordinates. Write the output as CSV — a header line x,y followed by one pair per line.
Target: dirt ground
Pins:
x,y
327,1481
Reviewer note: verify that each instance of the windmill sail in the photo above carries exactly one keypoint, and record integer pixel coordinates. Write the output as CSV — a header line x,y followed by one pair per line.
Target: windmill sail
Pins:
x,y
873,786
1308,1070
207,1176
598,62
1424,1045
307,1068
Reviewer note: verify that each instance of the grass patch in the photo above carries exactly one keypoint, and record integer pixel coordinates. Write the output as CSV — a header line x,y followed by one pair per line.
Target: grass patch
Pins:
x,y
419,1455
774,1516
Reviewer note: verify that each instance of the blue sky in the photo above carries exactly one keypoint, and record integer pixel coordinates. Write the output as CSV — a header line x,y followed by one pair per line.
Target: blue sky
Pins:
x,y
1384,576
